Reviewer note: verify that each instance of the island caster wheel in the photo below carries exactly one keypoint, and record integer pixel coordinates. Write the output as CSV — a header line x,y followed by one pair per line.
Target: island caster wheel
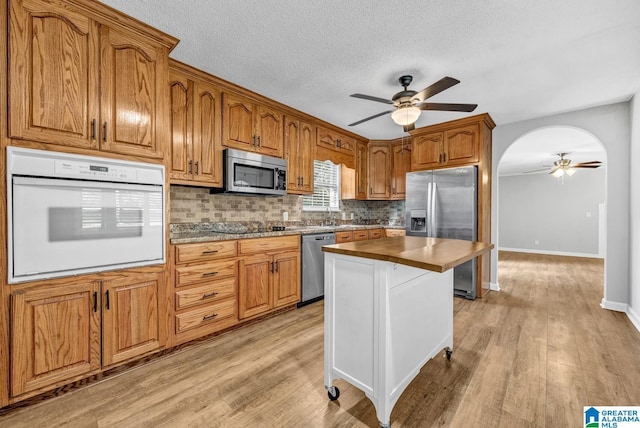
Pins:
x,y
333,393
448,353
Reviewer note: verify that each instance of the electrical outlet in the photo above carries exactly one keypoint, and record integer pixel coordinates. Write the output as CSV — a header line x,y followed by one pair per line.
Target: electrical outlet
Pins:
x,y
285,216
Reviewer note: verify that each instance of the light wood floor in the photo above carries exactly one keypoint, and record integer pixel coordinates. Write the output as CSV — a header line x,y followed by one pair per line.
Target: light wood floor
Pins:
x,y
531,355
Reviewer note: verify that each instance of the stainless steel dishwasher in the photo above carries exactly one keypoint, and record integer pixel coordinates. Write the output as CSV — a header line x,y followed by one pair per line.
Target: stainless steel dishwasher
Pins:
x,y
313,266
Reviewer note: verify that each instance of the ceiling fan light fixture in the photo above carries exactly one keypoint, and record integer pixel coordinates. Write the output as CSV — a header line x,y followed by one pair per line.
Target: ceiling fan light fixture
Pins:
x,y
570,171
406,115
558,172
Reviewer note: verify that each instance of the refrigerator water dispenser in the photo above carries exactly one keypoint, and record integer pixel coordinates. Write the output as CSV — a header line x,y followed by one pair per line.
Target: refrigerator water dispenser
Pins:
x,y
418,220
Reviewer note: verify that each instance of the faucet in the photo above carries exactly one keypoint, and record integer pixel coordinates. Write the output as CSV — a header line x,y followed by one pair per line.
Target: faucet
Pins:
x,y
331,218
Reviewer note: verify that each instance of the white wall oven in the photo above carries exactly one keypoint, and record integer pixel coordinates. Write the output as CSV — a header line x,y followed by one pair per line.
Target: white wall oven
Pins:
x,y
70,214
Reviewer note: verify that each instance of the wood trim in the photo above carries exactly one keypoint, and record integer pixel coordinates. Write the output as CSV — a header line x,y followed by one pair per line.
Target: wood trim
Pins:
x,y
440,127
115,18
4,289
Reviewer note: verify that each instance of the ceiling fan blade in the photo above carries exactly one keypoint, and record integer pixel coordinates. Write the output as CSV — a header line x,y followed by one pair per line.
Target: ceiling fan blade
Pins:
x,y
370,117
447,107
409,127
370,98
584,166
536,170
436,88
598,163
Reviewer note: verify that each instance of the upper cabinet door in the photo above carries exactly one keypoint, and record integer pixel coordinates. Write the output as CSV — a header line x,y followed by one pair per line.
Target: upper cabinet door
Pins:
x,y
237,118
207,151
461,145
181,164
292,154
305,165
269,130
131,87
379,171
53,70
361,170
427,151
401,165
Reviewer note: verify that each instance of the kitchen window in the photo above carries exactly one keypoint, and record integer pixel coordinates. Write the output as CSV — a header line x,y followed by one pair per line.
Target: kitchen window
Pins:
x,y
326,188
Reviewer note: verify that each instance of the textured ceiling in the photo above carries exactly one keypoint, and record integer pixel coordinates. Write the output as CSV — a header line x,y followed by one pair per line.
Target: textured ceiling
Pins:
x,y
517,60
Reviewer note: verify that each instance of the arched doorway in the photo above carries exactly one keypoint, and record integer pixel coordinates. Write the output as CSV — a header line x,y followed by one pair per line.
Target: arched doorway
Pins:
x,y
559,214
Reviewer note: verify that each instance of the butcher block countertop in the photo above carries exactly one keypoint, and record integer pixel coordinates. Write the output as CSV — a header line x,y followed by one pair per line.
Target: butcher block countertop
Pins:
x,y
435,254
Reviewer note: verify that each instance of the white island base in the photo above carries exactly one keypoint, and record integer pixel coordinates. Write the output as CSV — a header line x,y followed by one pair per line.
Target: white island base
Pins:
x,y
383,322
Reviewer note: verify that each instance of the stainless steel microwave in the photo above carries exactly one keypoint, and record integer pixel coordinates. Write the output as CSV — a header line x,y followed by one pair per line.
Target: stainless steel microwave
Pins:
x,y
253,173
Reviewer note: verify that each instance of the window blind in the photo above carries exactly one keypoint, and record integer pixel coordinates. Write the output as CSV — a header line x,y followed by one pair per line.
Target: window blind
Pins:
x,y
326,188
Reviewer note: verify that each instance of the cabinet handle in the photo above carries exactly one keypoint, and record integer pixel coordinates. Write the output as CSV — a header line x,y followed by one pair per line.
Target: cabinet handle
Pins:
x,y
196,167
444,156
272,267
210,252
209,317
107,296
209,295
104,132
302,181
190,167
204,275
370,190
339,142
254,141
259,142
276,266
93,129
95,301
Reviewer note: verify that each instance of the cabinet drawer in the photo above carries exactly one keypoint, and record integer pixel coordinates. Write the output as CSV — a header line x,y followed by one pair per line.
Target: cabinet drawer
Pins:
x,y
395,232
209,293
205,272
205,251
360,235
208,315
344,237
266,245
375,233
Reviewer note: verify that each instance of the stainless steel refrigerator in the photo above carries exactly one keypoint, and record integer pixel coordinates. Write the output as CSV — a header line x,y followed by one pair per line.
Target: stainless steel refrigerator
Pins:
x,y
443,204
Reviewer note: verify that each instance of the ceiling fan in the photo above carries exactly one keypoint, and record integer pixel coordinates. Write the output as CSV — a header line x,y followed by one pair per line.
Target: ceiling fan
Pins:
x,y
564,166
408,104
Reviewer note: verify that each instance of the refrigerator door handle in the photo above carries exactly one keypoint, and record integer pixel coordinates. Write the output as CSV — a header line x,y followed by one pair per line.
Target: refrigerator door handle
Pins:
x,y
428,217
433,209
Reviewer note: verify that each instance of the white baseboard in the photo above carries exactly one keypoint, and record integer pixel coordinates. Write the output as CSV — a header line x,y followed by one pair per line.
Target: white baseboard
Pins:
x,y
614,306
551,253
494,286
633,316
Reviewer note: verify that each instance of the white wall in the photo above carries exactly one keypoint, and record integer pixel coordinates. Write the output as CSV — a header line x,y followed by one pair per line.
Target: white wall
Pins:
x,y
634,291
611,125
544,214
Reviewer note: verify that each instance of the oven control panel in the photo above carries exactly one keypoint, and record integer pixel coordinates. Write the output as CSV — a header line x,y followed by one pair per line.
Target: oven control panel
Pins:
x,y
95,171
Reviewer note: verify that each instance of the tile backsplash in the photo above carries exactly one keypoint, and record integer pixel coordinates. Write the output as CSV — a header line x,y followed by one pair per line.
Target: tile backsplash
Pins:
x,y
196,205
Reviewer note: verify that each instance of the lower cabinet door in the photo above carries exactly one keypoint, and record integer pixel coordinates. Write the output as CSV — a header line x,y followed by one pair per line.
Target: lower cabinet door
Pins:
x,y
55,335
130,324
286,280
254,291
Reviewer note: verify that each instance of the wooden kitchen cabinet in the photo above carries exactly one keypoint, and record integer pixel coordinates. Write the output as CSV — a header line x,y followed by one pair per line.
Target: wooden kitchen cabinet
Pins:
x,y
451,147
130,325
376,233
86,78
334,146
65,329
55,335
362,168
205,289
379,171
299,142
248,125
196,151
269,274
360,235
400,165
344,236
390,233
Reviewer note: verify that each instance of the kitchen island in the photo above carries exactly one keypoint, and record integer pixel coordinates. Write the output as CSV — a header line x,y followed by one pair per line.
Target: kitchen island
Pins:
x,y
389,310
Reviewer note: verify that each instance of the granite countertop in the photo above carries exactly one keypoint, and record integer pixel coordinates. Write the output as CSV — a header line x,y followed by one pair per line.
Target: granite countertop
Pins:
x,y
435,254
194,234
